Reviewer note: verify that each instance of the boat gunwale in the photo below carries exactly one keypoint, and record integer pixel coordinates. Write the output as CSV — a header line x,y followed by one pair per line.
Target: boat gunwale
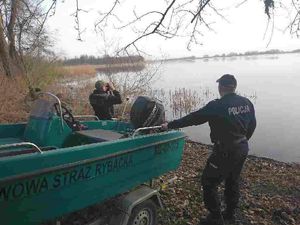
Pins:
x,y
84,161
62,150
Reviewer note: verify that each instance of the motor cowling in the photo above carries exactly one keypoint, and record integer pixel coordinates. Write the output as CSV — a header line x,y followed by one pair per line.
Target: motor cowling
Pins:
x,y
147,112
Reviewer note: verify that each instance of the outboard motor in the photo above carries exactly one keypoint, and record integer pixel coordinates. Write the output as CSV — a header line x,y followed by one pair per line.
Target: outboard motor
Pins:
x,y
147,112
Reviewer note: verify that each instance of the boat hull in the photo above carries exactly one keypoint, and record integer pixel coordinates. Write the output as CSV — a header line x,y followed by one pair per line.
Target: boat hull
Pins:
x,y
37,187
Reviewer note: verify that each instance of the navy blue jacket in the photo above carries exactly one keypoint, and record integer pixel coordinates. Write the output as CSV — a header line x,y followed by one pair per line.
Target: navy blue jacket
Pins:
x,y
230,118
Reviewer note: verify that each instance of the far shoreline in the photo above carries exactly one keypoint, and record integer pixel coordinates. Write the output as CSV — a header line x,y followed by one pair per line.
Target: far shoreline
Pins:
x,y
230,55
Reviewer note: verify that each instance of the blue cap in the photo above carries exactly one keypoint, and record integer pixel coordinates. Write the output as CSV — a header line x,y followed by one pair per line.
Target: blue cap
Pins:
x,y
227,80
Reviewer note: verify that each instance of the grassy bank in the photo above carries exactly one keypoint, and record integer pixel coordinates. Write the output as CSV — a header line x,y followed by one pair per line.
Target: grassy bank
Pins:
x,y
14,92
49,77
12,95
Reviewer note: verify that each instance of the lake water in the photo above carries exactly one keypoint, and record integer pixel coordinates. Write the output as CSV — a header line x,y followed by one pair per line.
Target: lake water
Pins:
x,y
273,81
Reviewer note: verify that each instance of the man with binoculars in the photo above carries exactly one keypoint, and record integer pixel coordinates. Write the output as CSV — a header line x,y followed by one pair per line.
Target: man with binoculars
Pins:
x,y
103,98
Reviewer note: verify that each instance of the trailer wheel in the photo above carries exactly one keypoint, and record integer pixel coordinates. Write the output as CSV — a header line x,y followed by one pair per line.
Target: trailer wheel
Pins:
x,y
144,214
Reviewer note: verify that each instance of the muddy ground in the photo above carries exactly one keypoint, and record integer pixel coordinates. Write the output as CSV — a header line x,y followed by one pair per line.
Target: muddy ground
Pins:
x,y
270,191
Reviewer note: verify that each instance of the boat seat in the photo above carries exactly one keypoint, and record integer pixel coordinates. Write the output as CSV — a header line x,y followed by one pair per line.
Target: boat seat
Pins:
x,y
6,141
44,128
99,135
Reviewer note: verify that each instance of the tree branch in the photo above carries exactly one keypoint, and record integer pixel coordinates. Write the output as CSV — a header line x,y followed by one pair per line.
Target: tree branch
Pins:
x,y
155,28
200,10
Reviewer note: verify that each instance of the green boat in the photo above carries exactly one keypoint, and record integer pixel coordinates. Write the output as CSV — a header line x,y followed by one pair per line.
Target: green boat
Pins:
x,y
53,165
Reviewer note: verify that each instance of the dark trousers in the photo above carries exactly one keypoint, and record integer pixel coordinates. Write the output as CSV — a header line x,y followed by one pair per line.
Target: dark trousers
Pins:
x,y
225,163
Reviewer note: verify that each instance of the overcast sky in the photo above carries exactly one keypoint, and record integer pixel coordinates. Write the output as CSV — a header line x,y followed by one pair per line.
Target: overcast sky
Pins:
x,y
244,30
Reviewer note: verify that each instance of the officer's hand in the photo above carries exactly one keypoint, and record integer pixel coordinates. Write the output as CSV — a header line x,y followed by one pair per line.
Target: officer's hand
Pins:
x,y
164,126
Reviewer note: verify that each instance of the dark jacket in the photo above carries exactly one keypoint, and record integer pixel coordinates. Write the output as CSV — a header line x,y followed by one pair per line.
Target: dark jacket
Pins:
x,y
230,118
102,103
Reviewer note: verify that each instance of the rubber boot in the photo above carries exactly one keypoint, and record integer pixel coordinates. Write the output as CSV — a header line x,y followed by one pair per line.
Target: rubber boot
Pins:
x,y
212,219
229,216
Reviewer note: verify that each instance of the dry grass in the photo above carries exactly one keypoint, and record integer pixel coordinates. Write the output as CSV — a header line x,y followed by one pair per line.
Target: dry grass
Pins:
x,y
76,98
14,91
80,70
12,94
108,68
14,108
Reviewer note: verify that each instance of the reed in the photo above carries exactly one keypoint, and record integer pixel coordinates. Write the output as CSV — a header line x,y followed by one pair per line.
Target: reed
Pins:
x,y
181,101
88,70
81,70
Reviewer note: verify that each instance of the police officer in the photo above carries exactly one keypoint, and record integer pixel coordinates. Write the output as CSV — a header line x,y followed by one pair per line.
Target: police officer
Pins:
x,y
232,122
103,98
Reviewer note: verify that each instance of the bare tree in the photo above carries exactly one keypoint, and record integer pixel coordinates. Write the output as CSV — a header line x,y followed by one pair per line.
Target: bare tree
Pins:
x,y
294,25
5,59
22,30
181,18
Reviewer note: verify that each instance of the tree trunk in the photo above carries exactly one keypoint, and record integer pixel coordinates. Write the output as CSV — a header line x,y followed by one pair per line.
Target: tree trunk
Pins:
x,y
10,29
4,56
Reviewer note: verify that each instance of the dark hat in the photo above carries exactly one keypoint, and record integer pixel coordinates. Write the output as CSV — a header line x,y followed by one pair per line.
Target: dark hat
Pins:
x,y
99,84
227,80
